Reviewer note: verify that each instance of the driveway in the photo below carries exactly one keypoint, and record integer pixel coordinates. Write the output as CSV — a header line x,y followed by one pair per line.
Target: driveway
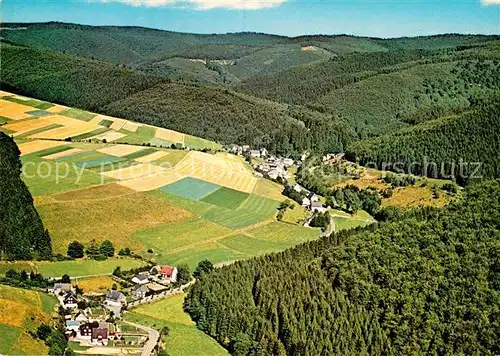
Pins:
x,y
153,338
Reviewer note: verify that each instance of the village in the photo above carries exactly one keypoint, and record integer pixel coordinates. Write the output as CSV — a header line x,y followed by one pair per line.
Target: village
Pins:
x,y
95,320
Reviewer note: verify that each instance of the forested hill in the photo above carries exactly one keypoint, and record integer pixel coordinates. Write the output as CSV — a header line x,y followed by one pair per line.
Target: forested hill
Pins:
x,y
211,112
22,235
425,284
315,93
465,146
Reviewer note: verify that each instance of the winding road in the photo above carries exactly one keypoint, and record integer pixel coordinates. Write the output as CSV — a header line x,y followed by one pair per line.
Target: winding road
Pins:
x,y
153,338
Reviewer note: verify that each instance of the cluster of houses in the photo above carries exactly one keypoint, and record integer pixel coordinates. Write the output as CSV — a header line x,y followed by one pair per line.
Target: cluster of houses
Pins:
x,y
80,325
311,200
274,167
154,281
93,330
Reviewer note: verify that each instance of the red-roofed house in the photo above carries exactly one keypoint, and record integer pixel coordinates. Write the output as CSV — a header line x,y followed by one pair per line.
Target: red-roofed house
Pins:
x,y
167,273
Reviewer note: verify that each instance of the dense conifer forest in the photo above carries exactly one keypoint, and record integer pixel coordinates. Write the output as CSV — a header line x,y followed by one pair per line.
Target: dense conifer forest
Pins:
x,y
22,235
426,283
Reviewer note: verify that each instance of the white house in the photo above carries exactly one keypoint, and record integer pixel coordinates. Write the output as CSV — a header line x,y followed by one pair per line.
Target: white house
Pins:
x,y
82,318
313,197
255,153
141,279
306,202
263,152
115,298
288,161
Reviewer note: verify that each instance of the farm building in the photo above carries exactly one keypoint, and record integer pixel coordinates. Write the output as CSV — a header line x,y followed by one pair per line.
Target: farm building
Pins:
x,y
61,288
72,325
166,273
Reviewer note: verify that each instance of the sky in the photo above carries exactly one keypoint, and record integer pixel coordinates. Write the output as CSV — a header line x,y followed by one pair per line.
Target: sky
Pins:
x,y
385,18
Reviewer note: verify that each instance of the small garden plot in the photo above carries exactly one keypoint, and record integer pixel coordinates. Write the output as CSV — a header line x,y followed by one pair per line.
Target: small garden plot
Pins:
x,y
191,188
165,238
226,198
79,114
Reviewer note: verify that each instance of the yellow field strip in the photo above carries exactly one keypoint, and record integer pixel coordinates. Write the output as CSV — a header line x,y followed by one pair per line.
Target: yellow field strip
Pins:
x,y
120,150
14,111
109,136
152,182
38,145
134,172
63,153
169,135
25,126
152,157
131,126
63,132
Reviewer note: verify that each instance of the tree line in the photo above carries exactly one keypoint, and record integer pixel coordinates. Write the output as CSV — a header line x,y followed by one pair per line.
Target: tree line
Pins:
x,y
426,281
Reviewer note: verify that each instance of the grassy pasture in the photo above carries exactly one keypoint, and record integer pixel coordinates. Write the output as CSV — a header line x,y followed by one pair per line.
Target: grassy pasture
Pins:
x,y
166,238
196,208
347,223
159,142
269,189
286,233
226,198
172,159
78,114
85,267
191,188
251,246
234,219
139,154
184,338
112,217
22,310
45,177
143,134
199,143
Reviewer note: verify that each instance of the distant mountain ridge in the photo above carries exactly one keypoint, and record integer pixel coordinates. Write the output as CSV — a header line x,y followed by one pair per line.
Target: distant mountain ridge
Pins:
x,y
289,94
